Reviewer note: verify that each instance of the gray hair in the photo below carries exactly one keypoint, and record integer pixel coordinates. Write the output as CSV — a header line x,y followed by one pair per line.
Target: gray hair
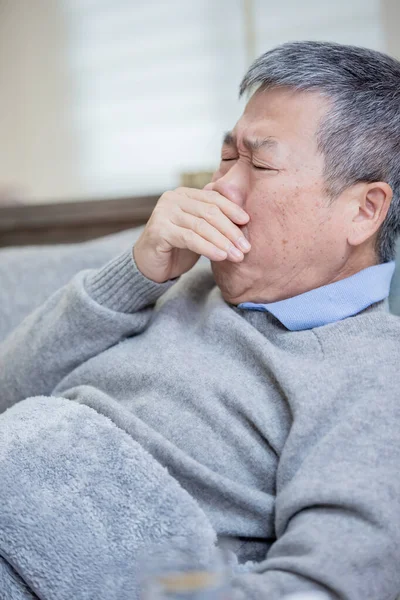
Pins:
x,y
360,136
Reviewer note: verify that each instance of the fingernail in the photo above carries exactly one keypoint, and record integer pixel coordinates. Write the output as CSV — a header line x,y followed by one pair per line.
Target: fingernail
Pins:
x,y
220,253
244,244
235,252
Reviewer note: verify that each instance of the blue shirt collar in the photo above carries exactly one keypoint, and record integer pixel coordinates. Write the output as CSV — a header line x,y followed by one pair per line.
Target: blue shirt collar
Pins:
x,y
332,302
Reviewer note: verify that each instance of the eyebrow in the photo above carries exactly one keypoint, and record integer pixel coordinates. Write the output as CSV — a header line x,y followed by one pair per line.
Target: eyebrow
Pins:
x,y
230,139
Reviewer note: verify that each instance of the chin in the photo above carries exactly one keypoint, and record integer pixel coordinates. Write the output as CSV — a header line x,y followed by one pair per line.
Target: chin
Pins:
x,y
230,279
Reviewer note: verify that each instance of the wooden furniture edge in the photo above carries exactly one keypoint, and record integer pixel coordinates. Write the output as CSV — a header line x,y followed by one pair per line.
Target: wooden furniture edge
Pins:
x,y
67,222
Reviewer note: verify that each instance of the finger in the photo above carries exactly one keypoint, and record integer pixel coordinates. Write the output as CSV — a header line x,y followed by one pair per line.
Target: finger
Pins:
x,y
229,208
221,231
184,238
213,215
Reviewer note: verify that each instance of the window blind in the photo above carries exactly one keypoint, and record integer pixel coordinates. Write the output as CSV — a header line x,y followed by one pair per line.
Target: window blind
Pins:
x,y
155,84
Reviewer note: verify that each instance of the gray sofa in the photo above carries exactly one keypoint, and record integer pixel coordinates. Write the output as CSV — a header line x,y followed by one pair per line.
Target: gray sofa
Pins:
x,y
30,274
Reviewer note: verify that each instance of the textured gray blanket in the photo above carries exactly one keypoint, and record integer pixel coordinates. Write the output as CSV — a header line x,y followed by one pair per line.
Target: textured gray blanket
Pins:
x,y
80,501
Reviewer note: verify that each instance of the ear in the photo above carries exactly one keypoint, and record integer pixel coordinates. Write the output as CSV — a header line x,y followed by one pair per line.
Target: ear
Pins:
x,y
370,206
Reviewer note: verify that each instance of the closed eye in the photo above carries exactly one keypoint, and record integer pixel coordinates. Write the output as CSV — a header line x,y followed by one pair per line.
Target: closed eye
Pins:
x,y
263,168
258,167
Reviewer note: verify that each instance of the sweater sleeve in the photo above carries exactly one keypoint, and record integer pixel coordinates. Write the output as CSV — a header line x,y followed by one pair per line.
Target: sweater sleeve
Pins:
x,y
94,311
338,509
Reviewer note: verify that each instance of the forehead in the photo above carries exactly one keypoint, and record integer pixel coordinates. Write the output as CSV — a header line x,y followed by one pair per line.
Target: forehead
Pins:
x,y
287,115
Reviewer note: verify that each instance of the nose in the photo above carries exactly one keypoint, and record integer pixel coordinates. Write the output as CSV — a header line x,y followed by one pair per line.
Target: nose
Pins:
x,y
231,185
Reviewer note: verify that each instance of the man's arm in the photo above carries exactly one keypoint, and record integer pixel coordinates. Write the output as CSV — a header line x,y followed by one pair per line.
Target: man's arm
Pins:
x,y
96,310
338,511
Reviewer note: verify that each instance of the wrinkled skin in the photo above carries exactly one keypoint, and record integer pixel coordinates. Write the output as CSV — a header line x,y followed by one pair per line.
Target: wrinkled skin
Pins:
x,y
300,239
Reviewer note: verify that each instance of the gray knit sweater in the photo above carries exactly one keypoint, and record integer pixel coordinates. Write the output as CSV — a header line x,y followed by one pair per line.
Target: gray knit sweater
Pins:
x,y
289,441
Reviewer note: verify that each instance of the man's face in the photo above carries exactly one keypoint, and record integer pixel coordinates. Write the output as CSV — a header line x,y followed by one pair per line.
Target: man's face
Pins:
x,y
272,168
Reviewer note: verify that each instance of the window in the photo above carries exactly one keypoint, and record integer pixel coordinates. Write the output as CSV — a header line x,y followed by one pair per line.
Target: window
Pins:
x,y
155,84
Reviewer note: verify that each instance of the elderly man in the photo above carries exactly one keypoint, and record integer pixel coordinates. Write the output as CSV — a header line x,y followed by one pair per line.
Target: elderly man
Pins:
x,y
269,386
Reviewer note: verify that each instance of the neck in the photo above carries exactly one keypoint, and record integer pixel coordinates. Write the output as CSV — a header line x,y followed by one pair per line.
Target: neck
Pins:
x,y
307,278
357,262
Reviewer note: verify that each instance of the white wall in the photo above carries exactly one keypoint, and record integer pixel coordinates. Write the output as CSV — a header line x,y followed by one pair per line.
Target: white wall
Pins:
x,y
107,97
391,20
37,144
357,22
156,85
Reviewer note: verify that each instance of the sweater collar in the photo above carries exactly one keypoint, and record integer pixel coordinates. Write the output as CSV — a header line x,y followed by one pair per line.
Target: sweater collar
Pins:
x,y
332,302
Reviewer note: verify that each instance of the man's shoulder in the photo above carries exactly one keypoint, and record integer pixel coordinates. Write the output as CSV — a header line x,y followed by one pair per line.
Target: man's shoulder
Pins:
x,y
373,331
384,324
384,333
